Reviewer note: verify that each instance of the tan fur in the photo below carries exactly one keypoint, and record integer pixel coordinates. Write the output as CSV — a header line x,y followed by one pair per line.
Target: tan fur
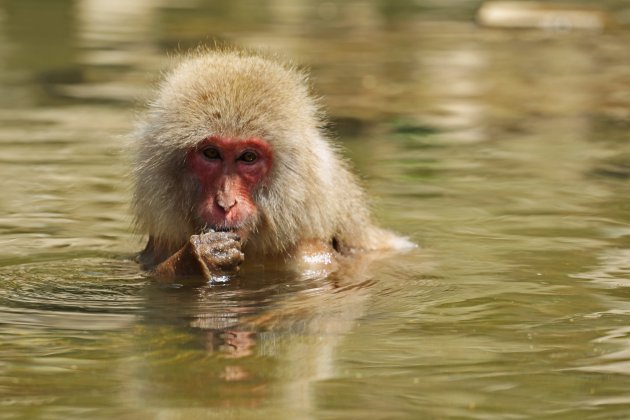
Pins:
x,y
310,193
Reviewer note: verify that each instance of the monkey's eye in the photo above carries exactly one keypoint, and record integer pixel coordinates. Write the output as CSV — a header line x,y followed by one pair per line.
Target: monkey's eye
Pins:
x,y
211,153
248,157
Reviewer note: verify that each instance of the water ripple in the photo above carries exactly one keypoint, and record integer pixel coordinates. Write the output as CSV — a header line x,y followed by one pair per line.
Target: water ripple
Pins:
x,y
82,285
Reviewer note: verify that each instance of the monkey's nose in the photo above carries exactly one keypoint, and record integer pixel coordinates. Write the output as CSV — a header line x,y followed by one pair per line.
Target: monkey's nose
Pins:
x,y
226,204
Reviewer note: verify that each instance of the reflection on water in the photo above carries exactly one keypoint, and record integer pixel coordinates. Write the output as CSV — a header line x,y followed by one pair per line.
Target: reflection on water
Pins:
x,y
503,153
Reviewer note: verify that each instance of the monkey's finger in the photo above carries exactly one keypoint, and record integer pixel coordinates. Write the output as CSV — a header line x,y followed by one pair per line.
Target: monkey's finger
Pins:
x,y
208,244
212,236
224,246
228,260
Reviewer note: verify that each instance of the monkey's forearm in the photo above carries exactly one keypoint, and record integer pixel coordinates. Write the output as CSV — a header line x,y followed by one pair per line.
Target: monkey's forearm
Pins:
x,y
181,264
203,255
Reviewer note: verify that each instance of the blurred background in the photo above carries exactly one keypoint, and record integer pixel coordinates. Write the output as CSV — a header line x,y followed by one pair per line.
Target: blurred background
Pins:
x,y
493,134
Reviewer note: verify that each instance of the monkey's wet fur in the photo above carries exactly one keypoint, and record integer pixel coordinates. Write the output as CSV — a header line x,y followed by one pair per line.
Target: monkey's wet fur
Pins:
x,y
232,164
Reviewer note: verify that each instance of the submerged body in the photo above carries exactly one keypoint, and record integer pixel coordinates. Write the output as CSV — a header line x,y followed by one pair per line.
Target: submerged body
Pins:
x,y
231,162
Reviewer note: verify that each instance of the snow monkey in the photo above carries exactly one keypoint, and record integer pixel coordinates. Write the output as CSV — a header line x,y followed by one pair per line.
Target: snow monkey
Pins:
x,y
231,163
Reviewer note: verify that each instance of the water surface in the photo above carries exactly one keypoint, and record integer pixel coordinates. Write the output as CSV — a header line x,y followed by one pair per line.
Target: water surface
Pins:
x,y
504,154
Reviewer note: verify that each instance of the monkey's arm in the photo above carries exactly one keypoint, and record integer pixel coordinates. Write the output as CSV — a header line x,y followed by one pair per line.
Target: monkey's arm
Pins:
x,y
314,256
203,255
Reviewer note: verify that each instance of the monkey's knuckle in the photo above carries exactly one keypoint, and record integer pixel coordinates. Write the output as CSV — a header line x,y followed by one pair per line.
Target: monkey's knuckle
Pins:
x,y
221,247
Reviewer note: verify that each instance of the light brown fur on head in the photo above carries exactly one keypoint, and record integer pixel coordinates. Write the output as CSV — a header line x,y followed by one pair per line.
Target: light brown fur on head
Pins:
x,y
310,193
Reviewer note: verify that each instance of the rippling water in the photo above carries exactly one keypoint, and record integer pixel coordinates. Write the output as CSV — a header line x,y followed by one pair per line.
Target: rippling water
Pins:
x,y
504,154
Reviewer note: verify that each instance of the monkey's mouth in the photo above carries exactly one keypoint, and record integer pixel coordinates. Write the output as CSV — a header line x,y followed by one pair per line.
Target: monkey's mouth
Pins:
x,y
210,229
223,229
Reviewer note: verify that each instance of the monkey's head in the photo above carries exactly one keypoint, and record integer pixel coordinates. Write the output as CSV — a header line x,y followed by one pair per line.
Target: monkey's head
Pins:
x,y
230,143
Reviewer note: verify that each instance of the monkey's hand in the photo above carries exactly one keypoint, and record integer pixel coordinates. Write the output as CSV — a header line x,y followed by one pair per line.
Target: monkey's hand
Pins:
x,y
204,255
218,251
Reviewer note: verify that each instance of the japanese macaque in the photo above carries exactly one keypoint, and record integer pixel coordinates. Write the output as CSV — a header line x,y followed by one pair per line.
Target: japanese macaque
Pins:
x,y
231,163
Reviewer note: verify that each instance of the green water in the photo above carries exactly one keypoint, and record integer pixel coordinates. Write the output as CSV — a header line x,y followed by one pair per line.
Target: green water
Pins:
x,y
504,154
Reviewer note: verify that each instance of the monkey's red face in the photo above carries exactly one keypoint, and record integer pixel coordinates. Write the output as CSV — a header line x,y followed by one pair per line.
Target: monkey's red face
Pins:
x,y
229,171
